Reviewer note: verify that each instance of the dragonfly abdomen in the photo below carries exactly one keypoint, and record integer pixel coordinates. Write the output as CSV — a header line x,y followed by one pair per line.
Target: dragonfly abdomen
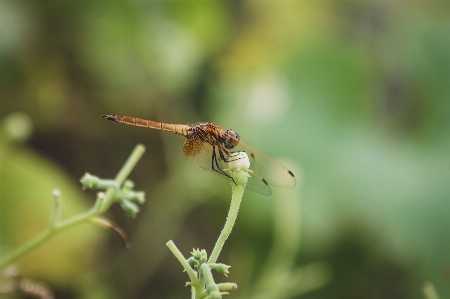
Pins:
x,y
139,122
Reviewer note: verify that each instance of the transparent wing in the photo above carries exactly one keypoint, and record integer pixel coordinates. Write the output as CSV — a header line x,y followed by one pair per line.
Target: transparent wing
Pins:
x,y
256,183
266,168
205,156
201,154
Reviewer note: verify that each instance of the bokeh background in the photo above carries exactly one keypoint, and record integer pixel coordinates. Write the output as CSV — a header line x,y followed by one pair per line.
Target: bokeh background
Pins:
x,y
353,96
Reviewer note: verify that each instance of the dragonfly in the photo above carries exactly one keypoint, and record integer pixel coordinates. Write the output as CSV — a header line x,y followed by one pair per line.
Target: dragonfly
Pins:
x,y
211,148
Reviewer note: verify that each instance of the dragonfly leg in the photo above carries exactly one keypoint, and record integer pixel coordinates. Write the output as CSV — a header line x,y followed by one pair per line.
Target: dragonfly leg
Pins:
x,y
233,159
222,156
216,164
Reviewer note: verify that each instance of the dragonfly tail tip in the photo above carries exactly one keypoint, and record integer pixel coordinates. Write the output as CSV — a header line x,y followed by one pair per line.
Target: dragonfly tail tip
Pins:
x,y
109,117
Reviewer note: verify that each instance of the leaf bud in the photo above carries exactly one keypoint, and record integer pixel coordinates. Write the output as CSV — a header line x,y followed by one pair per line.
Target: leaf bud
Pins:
x,y
221,268
129,207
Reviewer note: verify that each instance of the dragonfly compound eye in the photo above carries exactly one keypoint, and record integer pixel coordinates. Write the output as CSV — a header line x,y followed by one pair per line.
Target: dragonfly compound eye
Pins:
x,y
231,139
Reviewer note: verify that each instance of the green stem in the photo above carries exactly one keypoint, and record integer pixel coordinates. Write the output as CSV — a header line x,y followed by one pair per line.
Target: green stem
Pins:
x,y
55,215
240,177
183,261
130,164
56,226
196,284
24,249
211,287
43,237
122,175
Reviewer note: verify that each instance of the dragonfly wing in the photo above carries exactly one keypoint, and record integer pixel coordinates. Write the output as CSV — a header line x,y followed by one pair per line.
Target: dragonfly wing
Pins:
x,y
265,171
204,156
257,183
266,168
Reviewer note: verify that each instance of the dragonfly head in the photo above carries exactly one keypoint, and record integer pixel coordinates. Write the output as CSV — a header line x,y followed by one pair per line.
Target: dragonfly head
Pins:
x,y
231,139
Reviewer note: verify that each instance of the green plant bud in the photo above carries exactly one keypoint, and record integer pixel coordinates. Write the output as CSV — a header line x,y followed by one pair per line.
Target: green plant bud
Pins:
x,y
99,202
129,207
196,254
227,286
56,193
221,268
94,182
138,197
203,258
89,181
128,185
192,261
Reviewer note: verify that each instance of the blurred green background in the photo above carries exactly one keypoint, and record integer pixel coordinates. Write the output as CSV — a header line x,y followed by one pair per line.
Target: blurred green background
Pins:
x,y
353,96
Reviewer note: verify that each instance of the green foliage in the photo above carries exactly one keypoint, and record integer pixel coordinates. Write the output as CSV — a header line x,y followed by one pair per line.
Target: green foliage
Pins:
x,y
355,95
58,224
25,201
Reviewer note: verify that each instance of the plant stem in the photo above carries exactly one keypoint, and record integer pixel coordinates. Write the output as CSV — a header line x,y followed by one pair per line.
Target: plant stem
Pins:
x,y
240,177
183,261
42,237
122,175
211,287
130,164
57,225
